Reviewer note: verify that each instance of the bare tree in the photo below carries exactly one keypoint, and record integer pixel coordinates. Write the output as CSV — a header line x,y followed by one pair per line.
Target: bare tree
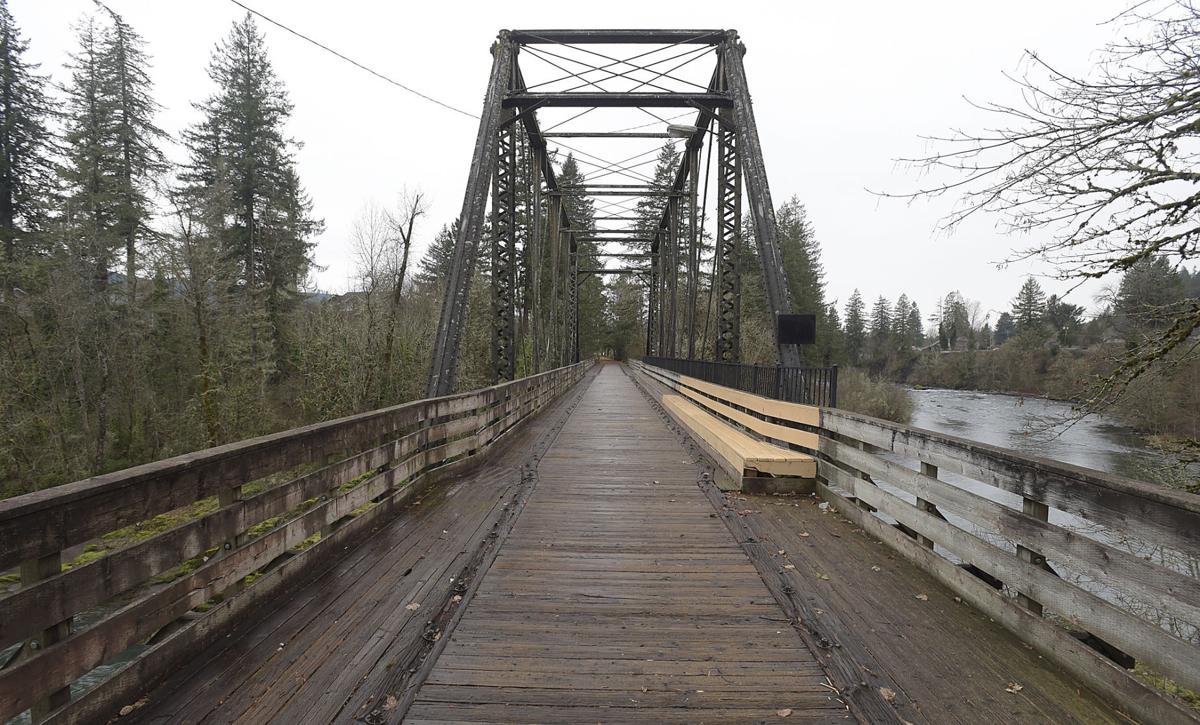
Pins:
x,y
412,206
1103,169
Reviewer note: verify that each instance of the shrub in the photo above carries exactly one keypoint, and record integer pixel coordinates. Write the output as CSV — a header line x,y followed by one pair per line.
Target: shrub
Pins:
x,y
858,393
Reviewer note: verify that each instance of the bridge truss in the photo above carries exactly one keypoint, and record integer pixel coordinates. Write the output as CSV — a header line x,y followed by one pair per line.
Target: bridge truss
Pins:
x,y
535,235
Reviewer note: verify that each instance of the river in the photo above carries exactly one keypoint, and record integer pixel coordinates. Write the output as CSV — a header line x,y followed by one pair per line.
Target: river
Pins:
x,y
1034,426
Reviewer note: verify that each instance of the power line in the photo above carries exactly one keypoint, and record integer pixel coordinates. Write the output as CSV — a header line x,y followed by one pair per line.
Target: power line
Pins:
x,y
349,60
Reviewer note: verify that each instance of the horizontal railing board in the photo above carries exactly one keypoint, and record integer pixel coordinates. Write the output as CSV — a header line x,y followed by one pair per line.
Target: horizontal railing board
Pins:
x,y
64,662
1154,513
1157,515
54,599
1126,631
1117,685
493,412
1176,593
795,412
43,522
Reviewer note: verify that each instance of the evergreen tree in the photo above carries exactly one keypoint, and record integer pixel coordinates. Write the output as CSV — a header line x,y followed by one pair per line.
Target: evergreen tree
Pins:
x,y
1005,328
880,328
1146,295
581,211
134,137
855,330
1029,307
434,267
900,319
239,149
801,254
26,173
90,171
1065,319
914,330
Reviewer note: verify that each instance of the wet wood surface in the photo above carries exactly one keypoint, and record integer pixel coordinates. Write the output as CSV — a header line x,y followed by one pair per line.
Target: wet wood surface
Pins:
x,y
619,596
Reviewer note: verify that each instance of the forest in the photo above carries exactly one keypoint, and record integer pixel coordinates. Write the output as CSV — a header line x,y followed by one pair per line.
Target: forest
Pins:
x,y
150,308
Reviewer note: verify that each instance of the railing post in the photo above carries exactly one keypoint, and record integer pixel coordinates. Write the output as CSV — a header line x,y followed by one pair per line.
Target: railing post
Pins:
x,y
927,469
33,571
1039,511
833,375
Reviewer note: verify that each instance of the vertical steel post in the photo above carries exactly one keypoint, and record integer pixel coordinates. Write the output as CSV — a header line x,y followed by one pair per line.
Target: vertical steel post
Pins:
x,y
572,336
553,235
504,252
456,301
779,298
535,264
729,232
652,306
673,207
693,250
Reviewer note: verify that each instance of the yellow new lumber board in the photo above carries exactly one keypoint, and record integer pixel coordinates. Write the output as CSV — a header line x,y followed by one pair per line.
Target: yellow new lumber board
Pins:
x,y
739,451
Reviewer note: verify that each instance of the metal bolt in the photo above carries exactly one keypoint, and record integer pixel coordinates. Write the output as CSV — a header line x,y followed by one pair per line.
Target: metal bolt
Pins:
x,y
35,644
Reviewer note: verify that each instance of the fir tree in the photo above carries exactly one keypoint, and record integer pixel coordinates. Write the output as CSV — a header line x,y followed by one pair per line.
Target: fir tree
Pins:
x,y
1005,328
134,136
855,330
240,151
26,173
434,267
1029,307
880,328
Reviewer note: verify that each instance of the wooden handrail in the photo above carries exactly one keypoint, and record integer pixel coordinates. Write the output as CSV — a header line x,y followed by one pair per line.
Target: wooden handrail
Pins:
x,y
1117,586
360,461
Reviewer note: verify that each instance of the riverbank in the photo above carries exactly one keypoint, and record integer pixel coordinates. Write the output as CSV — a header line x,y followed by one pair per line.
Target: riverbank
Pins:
x,y
1039,426
1162,405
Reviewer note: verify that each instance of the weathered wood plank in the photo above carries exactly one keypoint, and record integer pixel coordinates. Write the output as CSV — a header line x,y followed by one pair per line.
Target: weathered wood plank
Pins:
x,y
1153,513
1175,592
1157,647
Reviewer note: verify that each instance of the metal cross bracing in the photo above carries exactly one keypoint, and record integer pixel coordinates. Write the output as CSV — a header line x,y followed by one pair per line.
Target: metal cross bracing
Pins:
x,y
569,155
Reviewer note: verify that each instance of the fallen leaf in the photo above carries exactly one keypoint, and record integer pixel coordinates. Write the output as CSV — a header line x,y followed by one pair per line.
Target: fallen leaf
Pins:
x,y
1014,687
875,568
923,597
784,712
789,567
803,534
456,598
888,694
823,577
390,703
412,607
126,710
782,552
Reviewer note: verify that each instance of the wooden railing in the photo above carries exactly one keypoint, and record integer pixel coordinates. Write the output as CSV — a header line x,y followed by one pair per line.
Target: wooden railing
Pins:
x,y
1058,554
176,587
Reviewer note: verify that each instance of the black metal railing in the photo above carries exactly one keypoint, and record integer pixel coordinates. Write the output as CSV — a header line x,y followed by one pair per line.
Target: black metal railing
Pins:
x,y
810,386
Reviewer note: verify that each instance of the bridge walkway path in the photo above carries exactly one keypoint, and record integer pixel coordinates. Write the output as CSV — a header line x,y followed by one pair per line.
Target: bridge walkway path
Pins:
x,y
619,596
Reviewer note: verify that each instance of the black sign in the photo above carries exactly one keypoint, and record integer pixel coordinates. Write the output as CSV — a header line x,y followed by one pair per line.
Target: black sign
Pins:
x,y
796,329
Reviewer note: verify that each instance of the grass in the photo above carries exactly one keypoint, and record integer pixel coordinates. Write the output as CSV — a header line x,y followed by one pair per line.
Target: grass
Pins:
x,y
1167,685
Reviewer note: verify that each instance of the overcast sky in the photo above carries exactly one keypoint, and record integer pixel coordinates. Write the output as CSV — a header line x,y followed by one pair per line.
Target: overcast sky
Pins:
x,y
840,90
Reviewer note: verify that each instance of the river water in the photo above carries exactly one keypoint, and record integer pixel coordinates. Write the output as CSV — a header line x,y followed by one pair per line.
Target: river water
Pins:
x,y
1034,426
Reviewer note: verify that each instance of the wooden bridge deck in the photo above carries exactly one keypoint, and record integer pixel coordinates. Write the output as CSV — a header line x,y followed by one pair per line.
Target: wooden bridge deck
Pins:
x,y
612,590
619,596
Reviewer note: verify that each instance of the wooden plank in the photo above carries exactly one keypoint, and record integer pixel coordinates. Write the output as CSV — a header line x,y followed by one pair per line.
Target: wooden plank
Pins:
x,y
656,577
131,679
1165,652
1116,685
1152,513
795,412
1176,593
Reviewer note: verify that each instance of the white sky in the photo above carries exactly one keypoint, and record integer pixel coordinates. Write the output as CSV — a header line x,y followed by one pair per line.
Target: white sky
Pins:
x,y
840,89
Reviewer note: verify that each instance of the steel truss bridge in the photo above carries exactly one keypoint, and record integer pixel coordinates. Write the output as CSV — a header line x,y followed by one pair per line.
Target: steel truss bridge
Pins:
x,y
680,539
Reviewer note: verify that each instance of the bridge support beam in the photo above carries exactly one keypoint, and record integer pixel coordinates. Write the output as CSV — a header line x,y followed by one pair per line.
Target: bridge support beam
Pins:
x,y
504,252
729,235
453,317
762,209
